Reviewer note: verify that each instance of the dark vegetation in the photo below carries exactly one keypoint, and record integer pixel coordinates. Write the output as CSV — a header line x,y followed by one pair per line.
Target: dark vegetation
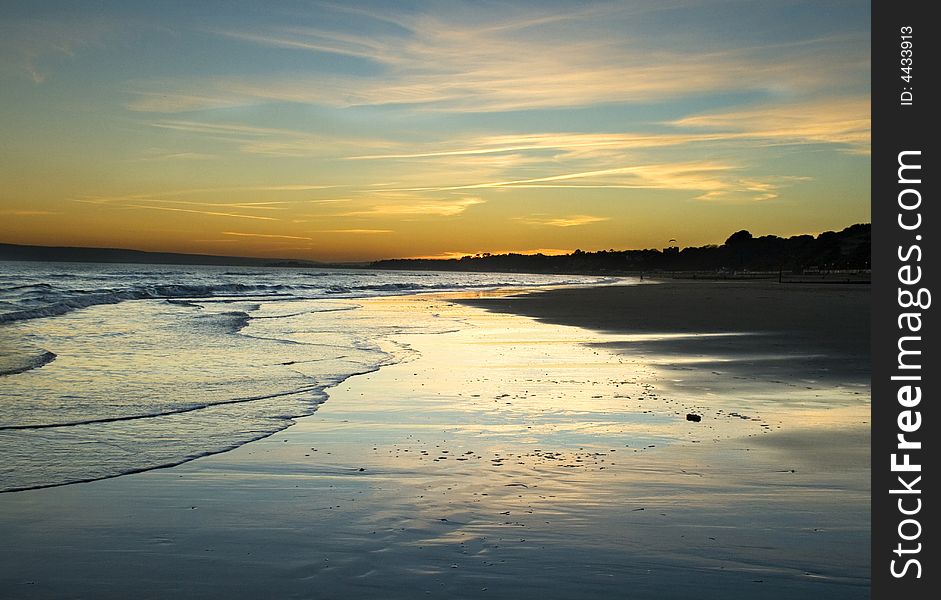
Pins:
x,y
846,250
741,254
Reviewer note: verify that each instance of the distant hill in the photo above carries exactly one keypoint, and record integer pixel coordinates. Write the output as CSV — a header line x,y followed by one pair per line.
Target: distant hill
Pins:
x,y
848,249
118,255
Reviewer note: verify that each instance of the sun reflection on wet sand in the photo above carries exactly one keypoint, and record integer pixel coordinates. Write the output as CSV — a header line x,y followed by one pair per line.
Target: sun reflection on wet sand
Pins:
x,y
513,442
520,459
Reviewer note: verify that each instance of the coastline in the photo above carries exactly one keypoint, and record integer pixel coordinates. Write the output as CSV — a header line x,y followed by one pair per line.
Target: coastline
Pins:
x,y
824,318
577,461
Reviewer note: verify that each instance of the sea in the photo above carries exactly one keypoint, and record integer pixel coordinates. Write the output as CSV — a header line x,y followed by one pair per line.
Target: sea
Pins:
x,y
110,369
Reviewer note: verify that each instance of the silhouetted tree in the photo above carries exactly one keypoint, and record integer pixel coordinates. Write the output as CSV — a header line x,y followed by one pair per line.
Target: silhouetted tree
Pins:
x,y
847,249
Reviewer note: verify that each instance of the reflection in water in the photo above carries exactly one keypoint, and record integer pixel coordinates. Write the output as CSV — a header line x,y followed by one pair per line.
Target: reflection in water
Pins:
x,y
511,459
512,446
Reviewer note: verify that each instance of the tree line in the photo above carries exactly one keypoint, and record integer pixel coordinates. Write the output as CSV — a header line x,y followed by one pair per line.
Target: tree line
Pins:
x,y
849,249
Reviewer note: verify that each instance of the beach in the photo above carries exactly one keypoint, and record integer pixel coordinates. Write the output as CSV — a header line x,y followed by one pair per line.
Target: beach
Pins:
x,y
535,445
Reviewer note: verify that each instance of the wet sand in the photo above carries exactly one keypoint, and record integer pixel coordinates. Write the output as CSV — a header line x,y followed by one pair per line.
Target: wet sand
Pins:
x,y
827,322
512,458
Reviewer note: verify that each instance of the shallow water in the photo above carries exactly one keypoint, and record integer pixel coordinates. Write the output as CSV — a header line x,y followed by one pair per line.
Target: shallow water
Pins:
x,y
113,369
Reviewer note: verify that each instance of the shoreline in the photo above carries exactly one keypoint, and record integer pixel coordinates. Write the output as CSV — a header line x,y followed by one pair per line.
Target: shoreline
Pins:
x,y
657,305
826,322
576,460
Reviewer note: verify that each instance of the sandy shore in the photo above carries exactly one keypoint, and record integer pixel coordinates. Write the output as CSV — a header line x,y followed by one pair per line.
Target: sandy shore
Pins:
x,y
826,322
513,458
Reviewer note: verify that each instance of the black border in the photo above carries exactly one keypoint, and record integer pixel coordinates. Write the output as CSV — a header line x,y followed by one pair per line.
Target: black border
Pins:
x,y
897,128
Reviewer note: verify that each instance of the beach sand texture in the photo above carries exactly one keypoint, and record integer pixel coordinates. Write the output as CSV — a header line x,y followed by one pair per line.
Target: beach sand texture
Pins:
x,y
510,457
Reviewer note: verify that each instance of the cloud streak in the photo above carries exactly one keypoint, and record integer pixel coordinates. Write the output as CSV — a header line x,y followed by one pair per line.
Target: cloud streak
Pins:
x,y
14,212
265,235
567,221
665,176
165,196
247,205
201,212
511,62
708,180
356,231
548,142
411,206
845,121
272,141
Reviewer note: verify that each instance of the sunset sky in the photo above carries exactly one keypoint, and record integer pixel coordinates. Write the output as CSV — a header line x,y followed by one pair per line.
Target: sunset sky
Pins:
x,y
363,130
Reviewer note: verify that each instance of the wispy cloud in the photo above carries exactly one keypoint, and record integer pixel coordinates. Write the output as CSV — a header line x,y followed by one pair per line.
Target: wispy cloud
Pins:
x,y
27,46
834,121
356,231
494,87
146,97
201,212
266,235
247,205
171,156
279,237
167,196
411,206
271,141
154,202
14,212
573,141
567,221
310,38
296,187
708,180
665,176
509,62
522,182
220,129
844,122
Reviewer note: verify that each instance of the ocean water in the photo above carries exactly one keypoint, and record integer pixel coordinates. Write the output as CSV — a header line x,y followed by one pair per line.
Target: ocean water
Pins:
x,y
109,369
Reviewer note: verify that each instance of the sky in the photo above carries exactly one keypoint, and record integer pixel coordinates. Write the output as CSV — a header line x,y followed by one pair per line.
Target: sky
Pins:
x,y
350,131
